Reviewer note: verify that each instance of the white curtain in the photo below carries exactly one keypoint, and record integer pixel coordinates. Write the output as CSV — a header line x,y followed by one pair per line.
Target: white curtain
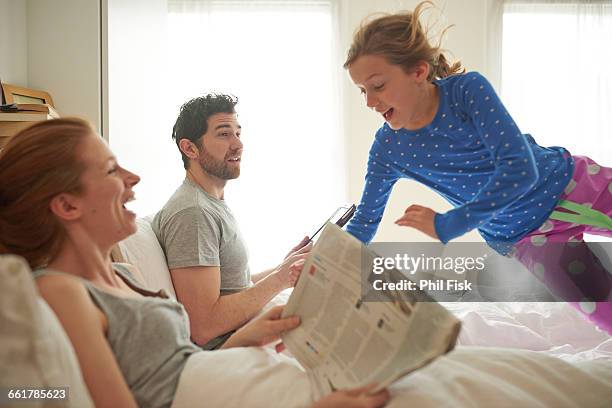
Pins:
x,y
556,73
280,59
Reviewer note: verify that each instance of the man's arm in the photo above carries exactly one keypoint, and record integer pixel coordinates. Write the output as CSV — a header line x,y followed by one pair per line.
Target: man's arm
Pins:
x,y
256,277
210,314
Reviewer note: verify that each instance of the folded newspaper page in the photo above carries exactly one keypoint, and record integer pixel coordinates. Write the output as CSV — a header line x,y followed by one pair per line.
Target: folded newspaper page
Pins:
x,y
344,341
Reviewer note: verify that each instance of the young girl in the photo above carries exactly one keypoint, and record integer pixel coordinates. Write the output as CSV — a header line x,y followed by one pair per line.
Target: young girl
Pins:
x,y
449,130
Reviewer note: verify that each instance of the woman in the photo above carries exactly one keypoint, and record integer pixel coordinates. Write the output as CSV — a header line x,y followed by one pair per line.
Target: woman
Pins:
x,y
62,207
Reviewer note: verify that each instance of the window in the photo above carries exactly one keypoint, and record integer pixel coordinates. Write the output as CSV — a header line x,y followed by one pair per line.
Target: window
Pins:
x,y
279,59
556,77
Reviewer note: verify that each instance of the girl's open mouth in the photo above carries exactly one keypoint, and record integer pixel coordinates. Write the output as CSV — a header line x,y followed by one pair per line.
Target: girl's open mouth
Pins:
x,y
387,115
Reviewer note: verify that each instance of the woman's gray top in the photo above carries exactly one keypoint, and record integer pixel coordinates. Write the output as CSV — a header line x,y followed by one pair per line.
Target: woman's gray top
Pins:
x,y
149,337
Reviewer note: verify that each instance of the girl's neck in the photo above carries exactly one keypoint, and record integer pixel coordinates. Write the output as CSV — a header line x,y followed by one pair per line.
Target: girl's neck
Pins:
x,y
431,102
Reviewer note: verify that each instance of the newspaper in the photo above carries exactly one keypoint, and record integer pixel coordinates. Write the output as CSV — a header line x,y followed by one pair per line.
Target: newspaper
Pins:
x,y
344,341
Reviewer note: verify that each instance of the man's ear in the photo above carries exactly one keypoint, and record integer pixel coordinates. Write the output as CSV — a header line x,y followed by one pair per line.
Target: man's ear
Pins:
x,y
65,207
189,148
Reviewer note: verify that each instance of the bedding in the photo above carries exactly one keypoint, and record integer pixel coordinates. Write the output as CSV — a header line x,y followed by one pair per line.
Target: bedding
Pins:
x,y
144,251
508,354
467,377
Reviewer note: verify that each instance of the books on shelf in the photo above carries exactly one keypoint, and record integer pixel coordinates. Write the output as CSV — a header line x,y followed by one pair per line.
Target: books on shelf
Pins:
x,y
14,117
27,112
12,123
24,117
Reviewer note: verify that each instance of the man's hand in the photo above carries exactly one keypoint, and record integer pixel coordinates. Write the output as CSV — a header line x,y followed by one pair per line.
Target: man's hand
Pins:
x,y
263,330
289,271
354,398
304,242
420,218
295,270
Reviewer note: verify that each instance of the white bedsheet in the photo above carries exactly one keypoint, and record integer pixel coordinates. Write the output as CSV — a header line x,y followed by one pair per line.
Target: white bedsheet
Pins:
x,y
466,377
551,357
552,328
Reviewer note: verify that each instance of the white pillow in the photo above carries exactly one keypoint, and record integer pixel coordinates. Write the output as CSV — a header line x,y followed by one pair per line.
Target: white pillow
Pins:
x,y
34,349
144,251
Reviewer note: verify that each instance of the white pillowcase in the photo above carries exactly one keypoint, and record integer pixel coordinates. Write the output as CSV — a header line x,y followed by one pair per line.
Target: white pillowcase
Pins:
x,y
34,349
144,251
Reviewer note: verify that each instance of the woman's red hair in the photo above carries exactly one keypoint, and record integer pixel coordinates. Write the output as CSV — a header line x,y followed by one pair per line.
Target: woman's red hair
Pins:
x,y
36,165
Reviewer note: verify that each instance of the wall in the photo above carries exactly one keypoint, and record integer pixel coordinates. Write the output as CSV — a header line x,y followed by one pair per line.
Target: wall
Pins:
x,y
13,42
54,46
467,40
63,44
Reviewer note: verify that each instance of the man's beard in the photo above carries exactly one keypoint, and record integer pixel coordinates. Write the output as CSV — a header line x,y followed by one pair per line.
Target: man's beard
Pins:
x,y
217,168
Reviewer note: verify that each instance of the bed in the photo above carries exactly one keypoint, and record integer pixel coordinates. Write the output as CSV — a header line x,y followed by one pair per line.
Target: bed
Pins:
x,y
509,354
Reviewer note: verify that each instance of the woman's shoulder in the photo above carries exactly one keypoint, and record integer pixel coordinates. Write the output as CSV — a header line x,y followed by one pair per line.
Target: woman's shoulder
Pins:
x,y
62,286
68,296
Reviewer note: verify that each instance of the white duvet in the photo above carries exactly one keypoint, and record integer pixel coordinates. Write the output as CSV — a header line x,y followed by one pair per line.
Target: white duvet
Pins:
x,y
528,355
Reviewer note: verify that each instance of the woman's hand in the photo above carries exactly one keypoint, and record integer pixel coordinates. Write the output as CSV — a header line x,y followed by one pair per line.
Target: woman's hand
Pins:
x,y
420,218
263,330
354,398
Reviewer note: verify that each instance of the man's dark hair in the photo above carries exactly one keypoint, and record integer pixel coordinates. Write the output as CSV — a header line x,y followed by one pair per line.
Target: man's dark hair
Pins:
x,y
192,121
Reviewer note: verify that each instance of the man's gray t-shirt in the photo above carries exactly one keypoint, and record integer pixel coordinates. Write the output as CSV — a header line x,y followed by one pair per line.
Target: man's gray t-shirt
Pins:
x,y
196,229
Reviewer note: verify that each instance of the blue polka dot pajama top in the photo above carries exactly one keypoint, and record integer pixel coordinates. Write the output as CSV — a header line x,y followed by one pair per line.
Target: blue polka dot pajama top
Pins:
x,y
498,179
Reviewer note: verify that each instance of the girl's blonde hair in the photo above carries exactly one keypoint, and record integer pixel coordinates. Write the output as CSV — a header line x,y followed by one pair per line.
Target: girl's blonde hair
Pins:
x,y
401,39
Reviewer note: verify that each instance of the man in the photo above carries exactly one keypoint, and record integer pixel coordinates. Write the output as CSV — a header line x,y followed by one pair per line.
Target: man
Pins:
x,y
205,251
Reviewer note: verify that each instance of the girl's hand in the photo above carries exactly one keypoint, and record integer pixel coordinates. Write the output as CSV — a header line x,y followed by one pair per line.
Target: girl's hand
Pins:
x,y
263,330
354,398
420,218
